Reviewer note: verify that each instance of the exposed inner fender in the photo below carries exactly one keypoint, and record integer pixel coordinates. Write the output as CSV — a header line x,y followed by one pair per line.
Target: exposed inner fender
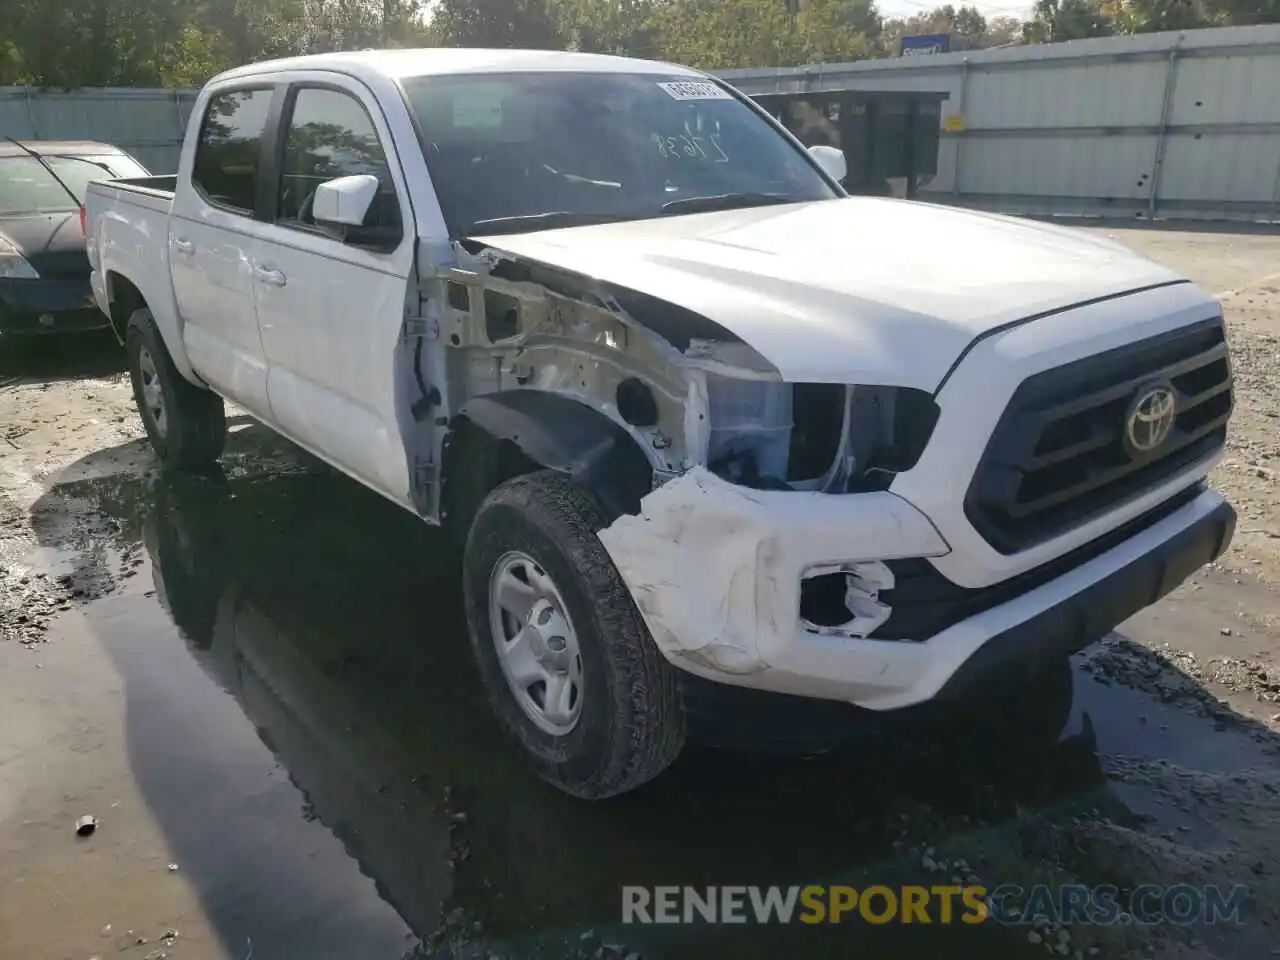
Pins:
x,y
563,434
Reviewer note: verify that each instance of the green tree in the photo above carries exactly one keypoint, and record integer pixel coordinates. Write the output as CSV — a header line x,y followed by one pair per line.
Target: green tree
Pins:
x,y
87,42
967,27
194,56
1247,12
837,30
1053,21
497,23
1002,32
620,27
1151,16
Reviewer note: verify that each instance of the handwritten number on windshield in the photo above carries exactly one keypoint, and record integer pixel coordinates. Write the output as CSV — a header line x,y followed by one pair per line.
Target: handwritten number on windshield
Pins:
x,y
688,147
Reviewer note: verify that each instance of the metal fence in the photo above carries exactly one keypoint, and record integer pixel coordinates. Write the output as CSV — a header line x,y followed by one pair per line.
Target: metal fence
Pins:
x,y
1157,125
147,123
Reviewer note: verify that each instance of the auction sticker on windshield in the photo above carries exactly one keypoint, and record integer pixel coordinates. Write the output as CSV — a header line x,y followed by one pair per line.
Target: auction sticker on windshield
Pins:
x,y
694,90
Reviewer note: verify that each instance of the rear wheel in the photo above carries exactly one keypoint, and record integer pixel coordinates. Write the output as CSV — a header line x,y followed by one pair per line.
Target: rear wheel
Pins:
x,y
185,424
569,667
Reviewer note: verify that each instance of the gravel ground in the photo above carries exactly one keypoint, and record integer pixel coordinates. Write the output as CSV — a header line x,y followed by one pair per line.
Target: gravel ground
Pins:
x,y
282,767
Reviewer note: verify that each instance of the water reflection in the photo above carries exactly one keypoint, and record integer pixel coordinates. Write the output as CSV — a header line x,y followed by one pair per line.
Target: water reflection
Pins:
x,y
335,623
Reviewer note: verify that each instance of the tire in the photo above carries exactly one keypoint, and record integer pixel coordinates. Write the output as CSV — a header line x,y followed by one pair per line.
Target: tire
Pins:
x,y
189,430
1024,717
629,726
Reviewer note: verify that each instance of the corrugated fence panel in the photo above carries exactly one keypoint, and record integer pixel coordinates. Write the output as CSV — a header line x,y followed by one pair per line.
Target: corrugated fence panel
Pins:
x,y
1237,169
147,123
1057,97
1166,125
1056,167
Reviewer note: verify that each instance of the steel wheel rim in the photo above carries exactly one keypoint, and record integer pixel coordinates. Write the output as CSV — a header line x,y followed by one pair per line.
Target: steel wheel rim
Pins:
x,y
152,392
535,643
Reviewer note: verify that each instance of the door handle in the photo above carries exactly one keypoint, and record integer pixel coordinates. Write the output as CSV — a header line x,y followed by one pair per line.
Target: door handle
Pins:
x,y
270,277
183,246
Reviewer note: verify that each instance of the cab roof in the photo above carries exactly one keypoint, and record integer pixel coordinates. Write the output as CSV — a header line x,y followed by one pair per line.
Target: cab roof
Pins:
x,y
435,61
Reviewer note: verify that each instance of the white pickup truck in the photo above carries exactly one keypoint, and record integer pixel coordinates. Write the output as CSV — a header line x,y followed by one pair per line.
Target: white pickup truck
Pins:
x,y
720,440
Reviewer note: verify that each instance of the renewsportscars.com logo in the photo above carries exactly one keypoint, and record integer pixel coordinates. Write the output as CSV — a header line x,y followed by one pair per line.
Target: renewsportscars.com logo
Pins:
x,y
878,904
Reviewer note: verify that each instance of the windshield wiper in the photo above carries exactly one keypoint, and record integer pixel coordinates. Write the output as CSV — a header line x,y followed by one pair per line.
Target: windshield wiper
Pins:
x,y
541,221
724,201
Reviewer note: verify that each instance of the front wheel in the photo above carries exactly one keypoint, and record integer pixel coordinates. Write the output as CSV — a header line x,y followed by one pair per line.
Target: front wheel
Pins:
x,y
186,425
569,667
1019,715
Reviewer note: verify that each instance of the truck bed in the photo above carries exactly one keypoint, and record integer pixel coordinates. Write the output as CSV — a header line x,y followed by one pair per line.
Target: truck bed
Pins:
x,y
126,224
154,193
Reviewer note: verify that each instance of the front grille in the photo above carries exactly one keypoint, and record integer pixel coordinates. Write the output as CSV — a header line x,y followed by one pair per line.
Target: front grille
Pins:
x,y
925,603
1057,458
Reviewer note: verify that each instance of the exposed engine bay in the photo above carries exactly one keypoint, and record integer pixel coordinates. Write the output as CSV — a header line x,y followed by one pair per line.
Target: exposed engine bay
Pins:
x,y
687,391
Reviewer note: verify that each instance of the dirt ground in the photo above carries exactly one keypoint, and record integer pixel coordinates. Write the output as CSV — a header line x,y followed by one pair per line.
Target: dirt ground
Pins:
x,y
259,686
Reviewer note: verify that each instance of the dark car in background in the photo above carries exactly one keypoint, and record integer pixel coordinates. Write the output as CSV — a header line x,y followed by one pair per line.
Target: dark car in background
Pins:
x,y
44,270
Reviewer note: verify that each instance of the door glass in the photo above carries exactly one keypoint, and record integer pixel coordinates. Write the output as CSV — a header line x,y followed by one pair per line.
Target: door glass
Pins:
x,y
229,152
330,135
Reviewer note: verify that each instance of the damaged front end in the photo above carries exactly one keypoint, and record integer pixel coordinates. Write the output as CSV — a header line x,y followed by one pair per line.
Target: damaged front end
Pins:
x,y
687,390
719,473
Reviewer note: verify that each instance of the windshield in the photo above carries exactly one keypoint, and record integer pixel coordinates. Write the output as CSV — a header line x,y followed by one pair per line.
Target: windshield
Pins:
x,y
27,187
532,150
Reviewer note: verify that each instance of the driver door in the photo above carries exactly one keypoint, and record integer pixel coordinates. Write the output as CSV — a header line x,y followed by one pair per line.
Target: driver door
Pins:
x,y
331,310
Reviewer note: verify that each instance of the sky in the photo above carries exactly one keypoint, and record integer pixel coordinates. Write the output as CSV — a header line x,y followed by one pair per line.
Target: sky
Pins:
x,y
988,8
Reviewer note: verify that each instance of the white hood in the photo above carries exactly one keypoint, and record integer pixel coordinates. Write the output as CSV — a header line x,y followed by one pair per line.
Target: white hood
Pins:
x,y
857,290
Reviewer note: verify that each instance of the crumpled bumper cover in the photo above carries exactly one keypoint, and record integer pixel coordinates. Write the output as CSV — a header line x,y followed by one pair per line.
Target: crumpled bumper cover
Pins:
x,y
715,570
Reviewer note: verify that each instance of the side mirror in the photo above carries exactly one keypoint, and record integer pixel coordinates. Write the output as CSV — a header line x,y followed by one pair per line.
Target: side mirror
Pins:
x,y
344,201
830,159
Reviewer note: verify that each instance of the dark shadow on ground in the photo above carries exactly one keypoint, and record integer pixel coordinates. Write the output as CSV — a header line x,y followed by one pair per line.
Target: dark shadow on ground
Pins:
x,y
53,357
335,623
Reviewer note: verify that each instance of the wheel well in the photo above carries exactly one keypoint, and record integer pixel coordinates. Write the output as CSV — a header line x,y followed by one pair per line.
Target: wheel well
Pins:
x,y
124,298
497,438
475,462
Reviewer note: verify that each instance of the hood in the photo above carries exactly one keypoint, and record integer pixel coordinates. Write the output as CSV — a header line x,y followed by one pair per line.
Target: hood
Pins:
x,y
51,242
856,290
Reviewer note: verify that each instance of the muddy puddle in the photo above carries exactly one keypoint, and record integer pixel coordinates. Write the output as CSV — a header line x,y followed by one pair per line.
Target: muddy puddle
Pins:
x,y
302,721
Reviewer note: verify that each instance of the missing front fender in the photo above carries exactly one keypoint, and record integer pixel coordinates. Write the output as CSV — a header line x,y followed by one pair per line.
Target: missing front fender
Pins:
x,y
548,431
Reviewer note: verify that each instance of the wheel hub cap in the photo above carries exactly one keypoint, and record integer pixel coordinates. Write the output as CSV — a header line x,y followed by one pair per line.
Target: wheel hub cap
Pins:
x,y
536,643
152,394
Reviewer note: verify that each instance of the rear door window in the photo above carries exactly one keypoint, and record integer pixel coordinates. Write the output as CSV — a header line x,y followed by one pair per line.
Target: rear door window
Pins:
x,y
229,153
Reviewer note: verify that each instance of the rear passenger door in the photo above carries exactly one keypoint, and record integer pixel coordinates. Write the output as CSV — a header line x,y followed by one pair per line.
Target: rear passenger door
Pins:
x,y
213,242
331,301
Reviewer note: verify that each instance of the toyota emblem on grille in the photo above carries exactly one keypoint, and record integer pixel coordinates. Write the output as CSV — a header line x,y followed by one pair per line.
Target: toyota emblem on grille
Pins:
x,y
1151,418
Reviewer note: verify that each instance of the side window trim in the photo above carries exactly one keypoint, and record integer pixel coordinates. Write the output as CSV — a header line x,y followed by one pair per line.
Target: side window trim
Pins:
x,y
272,138
268,135
275,166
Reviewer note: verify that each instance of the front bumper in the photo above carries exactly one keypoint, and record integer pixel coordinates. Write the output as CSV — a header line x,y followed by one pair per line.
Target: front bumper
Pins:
x,y
1139,572
48,306
715,571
